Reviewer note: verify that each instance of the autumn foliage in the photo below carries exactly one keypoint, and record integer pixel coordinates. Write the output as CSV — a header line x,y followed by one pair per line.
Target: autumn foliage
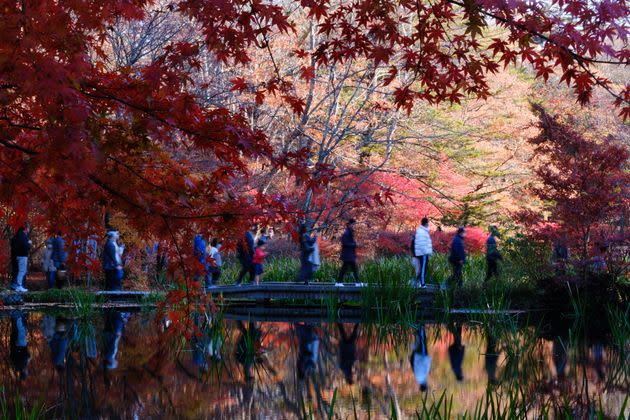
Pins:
x,y
153,141
584,183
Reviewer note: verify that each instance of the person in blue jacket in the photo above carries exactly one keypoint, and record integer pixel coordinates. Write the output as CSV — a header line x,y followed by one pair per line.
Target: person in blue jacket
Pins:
x,y
199,250
457,257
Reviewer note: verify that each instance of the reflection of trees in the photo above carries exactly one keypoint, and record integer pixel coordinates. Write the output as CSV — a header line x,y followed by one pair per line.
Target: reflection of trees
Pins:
x,y
157,375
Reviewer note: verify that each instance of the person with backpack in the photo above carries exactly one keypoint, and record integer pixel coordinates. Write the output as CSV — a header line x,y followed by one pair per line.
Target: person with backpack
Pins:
x,y
423,248
20,247
493,256
457,257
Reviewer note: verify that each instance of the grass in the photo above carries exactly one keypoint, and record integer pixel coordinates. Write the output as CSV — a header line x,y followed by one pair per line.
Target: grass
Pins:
x,y
19,409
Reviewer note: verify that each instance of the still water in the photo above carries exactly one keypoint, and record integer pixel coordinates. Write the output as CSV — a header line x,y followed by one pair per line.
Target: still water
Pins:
x,y
129,365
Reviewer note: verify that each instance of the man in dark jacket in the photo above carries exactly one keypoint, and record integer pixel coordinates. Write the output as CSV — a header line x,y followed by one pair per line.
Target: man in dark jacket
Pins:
x,y
493,256
20,247
457,257
348,253
59,257
307,246
111,263
245,255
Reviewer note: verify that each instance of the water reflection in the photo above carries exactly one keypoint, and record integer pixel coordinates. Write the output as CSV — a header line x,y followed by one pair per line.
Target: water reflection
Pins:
x,y
127,365
19,344
420,359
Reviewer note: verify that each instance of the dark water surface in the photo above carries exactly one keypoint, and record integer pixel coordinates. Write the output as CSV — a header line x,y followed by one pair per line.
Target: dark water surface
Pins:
x,y
121,365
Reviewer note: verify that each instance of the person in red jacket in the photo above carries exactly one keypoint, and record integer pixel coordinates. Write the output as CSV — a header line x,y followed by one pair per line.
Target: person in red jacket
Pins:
x,y
259,259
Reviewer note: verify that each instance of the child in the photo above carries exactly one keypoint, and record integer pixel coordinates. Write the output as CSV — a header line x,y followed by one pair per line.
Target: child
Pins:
x,y
259,259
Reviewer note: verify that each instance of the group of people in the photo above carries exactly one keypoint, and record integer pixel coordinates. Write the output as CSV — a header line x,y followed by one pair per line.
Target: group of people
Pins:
x,y
54,259
61,334
422,249
251,254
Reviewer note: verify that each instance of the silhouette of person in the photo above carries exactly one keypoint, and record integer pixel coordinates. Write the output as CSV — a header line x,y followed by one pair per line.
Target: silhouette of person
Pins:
x,y
491,359
420,359
560,358
205,347
59,342
114,325
19,354
247,347
347,351
308,349
456,351
598,359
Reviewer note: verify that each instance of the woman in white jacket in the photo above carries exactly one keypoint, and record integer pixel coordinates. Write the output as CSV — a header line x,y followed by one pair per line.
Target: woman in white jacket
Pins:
x,y
423,248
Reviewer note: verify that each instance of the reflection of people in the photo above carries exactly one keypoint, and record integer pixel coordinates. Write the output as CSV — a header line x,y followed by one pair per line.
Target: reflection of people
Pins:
x,y
456,352
420,359
308,349
59,342
19,344
114,324
205,345
598,358
560,357
247,347
347,351
491,359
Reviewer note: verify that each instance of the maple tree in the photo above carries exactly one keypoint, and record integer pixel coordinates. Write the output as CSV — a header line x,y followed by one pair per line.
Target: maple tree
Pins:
x,y
583,182
154,136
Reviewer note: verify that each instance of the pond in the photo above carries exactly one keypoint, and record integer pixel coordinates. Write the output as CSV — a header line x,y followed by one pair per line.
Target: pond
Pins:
x,y
129,365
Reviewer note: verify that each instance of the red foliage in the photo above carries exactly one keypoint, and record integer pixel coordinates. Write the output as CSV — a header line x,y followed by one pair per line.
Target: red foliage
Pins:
x,y
585,183
79,138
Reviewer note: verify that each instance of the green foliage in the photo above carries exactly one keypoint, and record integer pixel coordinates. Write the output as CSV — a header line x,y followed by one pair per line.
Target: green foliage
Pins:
x,y
20,409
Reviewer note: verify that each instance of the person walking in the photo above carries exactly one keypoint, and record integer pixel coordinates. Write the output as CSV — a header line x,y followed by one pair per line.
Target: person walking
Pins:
x,y
48,265
112,263
493,256
245,255
59,258
307,247
457,257
216,263
199,251
423,248
348,253
20,247
259,260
